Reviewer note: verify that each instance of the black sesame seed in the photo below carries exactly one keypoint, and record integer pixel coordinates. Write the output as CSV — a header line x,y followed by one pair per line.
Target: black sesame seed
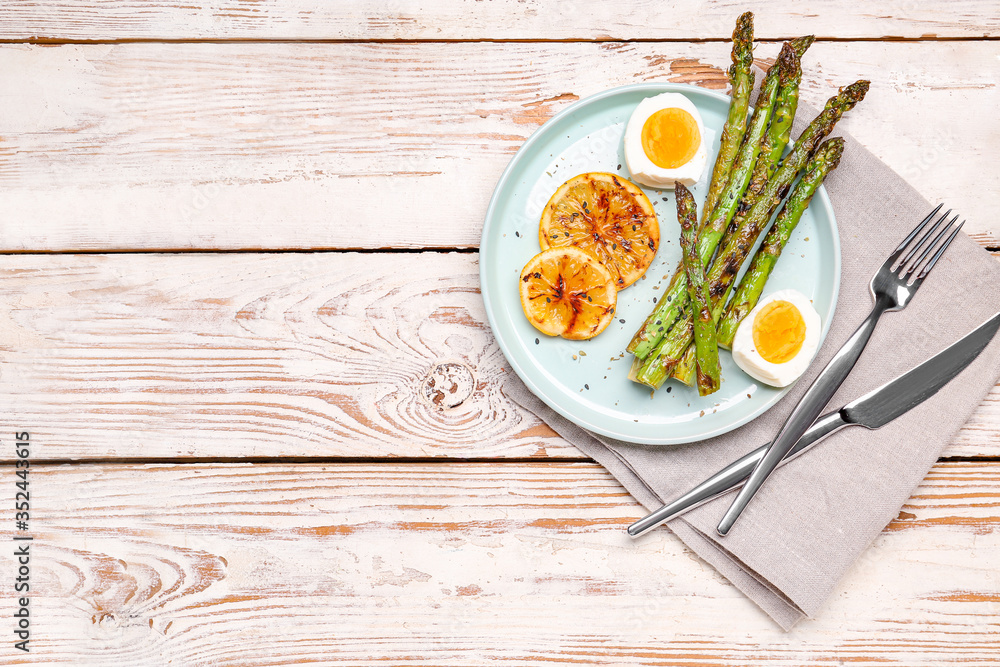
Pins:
x,y
619,166
668,389
536,341
586,386
654,299
622,320
517,234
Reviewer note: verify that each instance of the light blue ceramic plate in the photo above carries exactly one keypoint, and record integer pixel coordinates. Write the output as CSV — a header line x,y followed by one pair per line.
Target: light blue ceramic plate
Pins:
x,y
586,381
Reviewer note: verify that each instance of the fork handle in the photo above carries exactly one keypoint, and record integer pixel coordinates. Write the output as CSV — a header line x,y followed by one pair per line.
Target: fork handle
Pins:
x,y
811,404
732,476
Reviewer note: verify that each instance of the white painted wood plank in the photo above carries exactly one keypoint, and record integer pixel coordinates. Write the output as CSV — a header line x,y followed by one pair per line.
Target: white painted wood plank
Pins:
x,y
502,19
138,355
270,146
465,565
270,355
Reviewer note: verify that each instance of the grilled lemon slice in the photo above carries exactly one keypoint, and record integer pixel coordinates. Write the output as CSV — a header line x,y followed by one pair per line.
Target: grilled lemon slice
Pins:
x,y
609,217
567,292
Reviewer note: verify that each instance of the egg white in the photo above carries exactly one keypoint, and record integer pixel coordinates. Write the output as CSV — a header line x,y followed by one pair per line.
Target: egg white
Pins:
x,y
747,357
641,167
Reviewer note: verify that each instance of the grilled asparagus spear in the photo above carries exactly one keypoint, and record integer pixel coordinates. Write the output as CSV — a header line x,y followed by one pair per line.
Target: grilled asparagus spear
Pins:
x,y
741,80
669,311
704,324
661,362
826,160
749,151
778,133
784,108
771,150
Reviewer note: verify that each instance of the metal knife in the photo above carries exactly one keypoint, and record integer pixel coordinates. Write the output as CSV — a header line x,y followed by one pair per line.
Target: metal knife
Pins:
x,y
873,410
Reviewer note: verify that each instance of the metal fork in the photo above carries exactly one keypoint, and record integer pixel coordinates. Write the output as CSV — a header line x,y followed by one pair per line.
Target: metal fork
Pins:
x,y
892,287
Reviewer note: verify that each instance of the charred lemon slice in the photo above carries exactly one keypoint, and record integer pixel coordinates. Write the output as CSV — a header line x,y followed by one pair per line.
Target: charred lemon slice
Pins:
x,y
609,217
567,292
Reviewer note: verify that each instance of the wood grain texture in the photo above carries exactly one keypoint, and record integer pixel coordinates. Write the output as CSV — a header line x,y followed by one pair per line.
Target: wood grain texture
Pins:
x,y
194,355
271,355
502,19
465,564
275,146
257,146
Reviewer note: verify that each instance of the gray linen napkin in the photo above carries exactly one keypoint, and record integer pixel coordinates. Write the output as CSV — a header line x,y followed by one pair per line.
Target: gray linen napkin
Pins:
x,y
818,513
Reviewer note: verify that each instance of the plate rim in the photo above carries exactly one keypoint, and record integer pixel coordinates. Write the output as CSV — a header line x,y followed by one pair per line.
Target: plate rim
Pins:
x,y
582,422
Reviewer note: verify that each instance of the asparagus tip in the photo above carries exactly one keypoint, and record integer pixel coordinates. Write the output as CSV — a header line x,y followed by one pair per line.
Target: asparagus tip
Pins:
x,y
743,24
834,149
787,64
826,156
846,98
857,90
801,44
743,39
687,211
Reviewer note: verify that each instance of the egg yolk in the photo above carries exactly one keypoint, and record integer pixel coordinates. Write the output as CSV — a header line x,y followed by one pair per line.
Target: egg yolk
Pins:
x,y
778,332
670,137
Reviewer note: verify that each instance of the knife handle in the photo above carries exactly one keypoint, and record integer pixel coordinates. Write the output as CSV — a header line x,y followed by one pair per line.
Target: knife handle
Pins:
x,y
733,476
808,409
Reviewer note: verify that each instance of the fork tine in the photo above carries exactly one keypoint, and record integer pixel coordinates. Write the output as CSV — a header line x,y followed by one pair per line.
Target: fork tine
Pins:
x,y
937,255
918,228
922,240
912,269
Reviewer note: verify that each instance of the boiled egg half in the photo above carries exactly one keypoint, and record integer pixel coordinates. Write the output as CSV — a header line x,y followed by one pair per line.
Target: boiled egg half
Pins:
x,y
778,338
665,142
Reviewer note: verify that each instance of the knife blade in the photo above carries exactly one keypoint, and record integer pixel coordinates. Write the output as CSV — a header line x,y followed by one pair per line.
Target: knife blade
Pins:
x,y
873,410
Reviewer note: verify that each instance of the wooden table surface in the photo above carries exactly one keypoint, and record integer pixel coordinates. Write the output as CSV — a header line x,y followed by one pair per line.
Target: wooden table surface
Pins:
x,y
241,322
